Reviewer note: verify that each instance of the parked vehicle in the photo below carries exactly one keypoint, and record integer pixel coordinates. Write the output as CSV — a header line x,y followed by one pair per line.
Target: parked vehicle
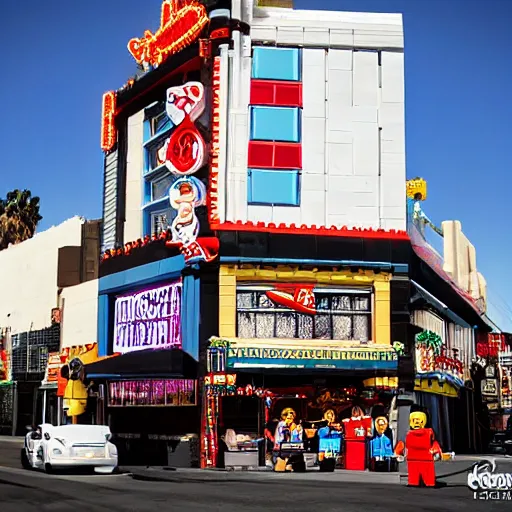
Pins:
x,y
48,447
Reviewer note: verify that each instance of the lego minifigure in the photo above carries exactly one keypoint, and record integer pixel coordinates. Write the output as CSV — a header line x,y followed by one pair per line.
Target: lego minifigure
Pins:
x,y
420,448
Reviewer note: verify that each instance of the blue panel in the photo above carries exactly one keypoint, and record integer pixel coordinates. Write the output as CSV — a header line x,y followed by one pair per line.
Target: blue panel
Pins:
x,y
276,63
280,124
190,315
146,165
103,325
147,130
274,187
147,192
145,274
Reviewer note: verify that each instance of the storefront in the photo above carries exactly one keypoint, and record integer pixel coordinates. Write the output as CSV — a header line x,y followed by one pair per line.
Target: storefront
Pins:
x,y
303,349
441,377
6,385
149,322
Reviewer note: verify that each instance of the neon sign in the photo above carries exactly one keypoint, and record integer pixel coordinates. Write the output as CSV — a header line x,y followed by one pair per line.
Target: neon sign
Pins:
x,y
108,127
300,298
148,319
153,393
185,154
185,150
185,195
181,23
431,360
215,145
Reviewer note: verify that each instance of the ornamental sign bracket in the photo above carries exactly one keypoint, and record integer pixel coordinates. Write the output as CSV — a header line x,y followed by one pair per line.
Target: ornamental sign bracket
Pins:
x,y
181,23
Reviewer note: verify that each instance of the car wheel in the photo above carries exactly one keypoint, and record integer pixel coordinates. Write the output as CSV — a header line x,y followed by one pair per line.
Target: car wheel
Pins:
x,y
48,468
25,464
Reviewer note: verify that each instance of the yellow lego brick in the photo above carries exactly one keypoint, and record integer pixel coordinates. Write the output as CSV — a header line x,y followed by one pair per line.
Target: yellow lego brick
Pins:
x,y
383,334
245,272
381,285
341,278
227,290
287,275
227,331
227,313
228,300
363,279
305,275
227,270
382,311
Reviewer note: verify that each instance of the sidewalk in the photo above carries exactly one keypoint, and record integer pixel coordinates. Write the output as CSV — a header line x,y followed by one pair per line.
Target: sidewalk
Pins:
x,y
12,439
216,475
453,472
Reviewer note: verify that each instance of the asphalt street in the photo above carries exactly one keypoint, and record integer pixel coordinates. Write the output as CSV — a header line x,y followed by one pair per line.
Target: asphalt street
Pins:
x,y
26,491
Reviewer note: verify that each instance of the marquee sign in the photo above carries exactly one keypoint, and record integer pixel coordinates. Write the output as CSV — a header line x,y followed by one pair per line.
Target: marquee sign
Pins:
x,y
148,319
341,359
181,23
152,393
53,367
185,153
431,360
108,125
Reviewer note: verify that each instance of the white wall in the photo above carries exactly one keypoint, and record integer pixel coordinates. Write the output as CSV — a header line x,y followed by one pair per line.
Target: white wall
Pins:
x,y
353,133
79,314
28,277
134,180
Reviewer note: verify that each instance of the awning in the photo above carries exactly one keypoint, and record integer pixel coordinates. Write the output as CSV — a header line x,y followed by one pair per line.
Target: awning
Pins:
x,y
371,358
142,364
421,293
424,275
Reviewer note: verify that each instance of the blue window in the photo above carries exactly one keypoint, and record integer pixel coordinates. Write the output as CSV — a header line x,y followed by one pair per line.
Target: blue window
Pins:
x,y
274,187
157,128
280,124
157,212
270,63
158,217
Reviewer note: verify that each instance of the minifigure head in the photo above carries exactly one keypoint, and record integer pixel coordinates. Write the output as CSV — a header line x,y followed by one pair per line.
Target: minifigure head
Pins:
x,y
417,420
381,425
288,415
357,412
330,416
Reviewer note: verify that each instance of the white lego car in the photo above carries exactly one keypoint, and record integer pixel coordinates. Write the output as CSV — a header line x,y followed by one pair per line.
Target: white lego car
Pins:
x,y
48,447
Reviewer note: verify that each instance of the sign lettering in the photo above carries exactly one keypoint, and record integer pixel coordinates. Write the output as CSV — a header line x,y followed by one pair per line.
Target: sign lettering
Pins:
x,y
148,319
338,358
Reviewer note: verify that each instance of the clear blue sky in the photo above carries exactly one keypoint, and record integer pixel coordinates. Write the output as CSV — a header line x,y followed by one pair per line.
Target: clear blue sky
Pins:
x,y
458,107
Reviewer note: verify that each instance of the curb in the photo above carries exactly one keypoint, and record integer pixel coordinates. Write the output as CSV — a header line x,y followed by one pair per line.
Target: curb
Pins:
x,y
176,477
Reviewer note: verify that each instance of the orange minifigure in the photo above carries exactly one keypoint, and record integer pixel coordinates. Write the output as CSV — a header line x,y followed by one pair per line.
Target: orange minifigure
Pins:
x,y
420,448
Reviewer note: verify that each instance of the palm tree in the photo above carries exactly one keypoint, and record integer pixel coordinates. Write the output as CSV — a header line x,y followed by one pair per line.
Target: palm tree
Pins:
x,y
19,216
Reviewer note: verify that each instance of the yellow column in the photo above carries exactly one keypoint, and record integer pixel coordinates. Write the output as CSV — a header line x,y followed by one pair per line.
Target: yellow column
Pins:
x,y
227,302
382,315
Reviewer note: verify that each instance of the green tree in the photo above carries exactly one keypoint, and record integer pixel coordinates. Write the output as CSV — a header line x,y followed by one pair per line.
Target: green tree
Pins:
x,y
19,216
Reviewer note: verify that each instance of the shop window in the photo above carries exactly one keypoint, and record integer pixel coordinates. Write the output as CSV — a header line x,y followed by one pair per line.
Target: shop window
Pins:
x,y
157,127
155,156
160,187
161,220
157,215
159,123
339,316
